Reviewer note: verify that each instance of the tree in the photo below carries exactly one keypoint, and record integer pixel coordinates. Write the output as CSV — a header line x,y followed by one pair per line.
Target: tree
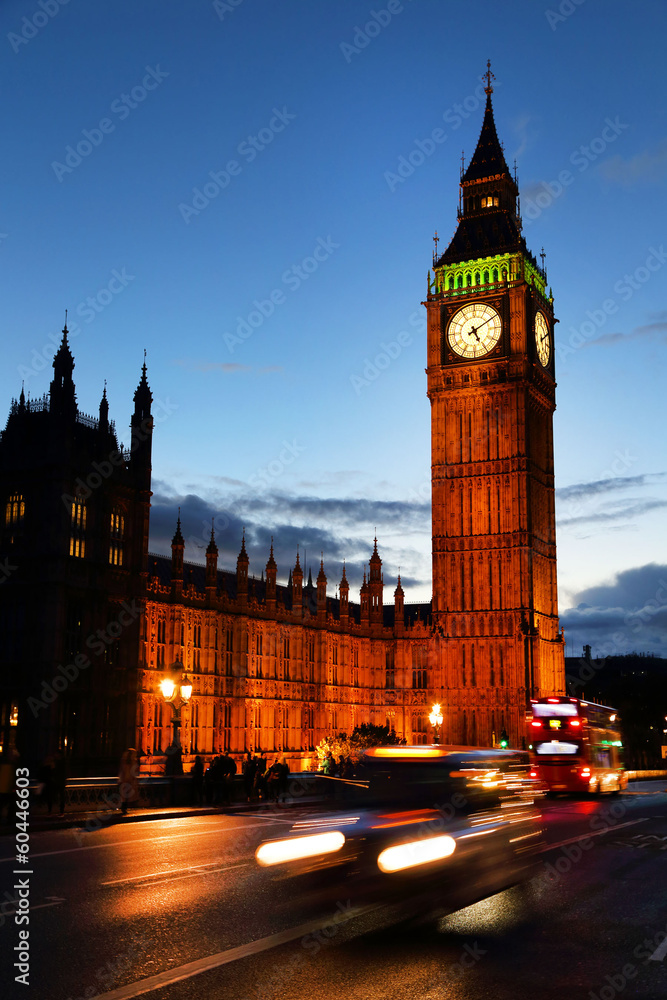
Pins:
x,y
362,737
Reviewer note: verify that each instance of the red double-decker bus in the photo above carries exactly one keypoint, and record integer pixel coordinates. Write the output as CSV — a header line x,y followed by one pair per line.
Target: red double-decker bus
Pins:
x,y
576,746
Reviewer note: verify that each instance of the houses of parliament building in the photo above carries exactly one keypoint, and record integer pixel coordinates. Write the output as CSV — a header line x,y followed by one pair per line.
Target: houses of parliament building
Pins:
x,y
90,621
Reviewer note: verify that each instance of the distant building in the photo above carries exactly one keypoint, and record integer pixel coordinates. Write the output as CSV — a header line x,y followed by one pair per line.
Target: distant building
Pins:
x,y
278,667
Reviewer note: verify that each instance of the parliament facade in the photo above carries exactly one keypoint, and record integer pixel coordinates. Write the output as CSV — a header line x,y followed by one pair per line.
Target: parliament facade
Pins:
x,y
91,622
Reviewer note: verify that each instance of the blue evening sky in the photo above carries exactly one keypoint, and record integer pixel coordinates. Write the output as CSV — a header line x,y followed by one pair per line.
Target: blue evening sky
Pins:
x,y
219,184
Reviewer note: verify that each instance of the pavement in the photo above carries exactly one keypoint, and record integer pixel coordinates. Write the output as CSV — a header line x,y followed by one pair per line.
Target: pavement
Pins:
x,y
99,818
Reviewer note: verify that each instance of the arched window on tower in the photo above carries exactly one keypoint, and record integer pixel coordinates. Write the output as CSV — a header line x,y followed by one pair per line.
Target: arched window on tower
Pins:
x,y
14,517
419,659
116,537
419,732
77,539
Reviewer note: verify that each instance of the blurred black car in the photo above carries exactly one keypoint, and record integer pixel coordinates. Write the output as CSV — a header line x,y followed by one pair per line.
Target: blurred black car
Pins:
x,y
438,826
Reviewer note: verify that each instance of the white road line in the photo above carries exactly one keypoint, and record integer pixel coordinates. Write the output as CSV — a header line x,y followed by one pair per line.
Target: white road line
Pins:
x,y
222,958
659,952
587,836
152,840
40,906
192,870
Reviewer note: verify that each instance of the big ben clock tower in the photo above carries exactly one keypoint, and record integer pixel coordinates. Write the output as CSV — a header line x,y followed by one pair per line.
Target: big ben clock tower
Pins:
x,y
492,391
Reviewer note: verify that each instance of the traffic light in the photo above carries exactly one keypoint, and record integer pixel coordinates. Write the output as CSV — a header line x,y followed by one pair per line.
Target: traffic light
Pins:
x,y
504,740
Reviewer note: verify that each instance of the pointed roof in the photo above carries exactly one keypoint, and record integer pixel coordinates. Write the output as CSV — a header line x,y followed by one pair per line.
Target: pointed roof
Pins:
x,y
484,229
243,555
344,585
271,564
321,577
143,397
212,548
178,537
297,566
399,590
375,558
63,358
488,159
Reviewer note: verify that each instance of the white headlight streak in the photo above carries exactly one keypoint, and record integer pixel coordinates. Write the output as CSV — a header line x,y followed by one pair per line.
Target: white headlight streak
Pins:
x,y
416,852
278,851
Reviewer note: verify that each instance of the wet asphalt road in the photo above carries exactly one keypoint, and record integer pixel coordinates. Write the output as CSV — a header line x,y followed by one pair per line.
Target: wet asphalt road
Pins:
x,y
178,910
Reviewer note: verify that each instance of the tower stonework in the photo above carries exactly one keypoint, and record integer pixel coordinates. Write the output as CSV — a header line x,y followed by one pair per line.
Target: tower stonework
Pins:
x,y
491,386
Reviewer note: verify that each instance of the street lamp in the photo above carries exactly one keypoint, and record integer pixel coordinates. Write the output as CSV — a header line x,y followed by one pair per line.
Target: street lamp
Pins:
x,y
176,690
435,718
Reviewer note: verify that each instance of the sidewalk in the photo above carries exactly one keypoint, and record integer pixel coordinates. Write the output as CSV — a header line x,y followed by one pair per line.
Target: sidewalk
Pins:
x,y
96,819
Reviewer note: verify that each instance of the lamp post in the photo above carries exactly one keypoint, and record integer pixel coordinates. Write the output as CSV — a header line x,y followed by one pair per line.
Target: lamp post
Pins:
x,y
176,690
435,718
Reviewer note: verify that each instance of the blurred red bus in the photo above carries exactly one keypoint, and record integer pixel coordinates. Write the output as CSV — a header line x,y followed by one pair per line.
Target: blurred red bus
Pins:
x,y
576,746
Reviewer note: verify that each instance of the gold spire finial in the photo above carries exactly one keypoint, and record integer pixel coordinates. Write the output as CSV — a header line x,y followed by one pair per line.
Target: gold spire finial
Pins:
x,y
488,76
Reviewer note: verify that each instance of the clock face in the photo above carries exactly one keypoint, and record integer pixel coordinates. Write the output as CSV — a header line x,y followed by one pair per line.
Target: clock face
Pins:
x,y
474,330
542,342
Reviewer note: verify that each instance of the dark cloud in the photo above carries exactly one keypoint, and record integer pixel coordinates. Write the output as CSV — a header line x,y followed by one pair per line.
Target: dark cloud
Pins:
x,y
588,503
628,615
317,526
583,491
629,511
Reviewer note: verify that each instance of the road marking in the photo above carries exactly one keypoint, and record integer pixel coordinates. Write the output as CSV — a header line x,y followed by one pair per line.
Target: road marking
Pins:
x,y
224,958
40,906
152,840
587,836
659,952
191,869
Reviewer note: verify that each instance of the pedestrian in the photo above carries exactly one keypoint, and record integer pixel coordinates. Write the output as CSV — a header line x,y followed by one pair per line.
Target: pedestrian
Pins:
x,y
329,765
273,781
60,780
7,786
128,780
198,781
45,783
249,769
229,772
217,779
260,776
283,778
347,770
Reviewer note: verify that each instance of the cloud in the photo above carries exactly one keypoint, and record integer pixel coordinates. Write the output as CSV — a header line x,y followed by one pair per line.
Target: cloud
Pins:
x,y
626,615
648,331
622,511
340,528
595,502
649,165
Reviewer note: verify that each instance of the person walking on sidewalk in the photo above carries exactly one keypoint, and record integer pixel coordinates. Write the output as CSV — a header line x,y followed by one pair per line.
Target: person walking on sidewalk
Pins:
x,y
249,768
198,781
128,779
